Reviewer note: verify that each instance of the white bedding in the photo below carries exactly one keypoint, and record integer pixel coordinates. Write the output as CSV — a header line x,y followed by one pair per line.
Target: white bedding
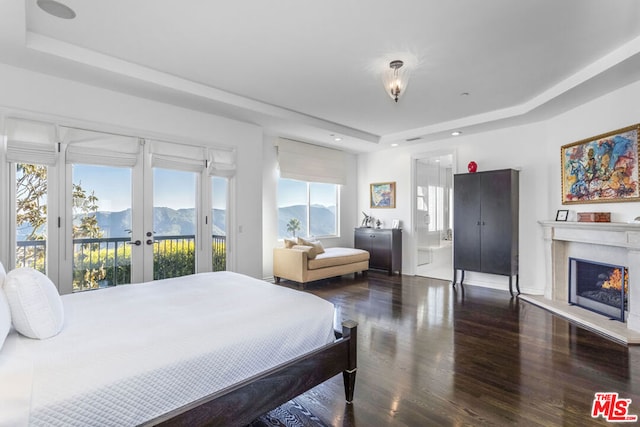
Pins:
x,y
131,353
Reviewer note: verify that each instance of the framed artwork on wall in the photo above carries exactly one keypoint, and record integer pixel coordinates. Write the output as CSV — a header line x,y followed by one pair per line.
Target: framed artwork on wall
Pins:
x,y
602,169
383,195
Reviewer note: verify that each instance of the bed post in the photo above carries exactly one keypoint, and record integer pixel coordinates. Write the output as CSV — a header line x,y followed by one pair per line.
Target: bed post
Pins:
x,y
350,331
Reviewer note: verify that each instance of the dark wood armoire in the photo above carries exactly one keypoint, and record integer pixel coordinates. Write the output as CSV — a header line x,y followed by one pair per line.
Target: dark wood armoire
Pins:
x,y
485,224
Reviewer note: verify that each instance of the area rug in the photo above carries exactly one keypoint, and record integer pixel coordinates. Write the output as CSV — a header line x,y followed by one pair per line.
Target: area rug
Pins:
x,y
291,414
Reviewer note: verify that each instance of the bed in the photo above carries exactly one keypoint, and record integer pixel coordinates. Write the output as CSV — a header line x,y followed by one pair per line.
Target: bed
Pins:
x,y
211,348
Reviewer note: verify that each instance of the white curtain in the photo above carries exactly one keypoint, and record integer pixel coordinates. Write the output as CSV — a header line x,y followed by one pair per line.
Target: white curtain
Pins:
x,y
307,162
99,148
168,155
221,162
31,142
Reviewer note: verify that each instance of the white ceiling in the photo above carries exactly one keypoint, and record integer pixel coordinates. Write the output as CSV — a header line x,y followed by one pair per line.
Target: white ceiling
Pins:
x,y
310,69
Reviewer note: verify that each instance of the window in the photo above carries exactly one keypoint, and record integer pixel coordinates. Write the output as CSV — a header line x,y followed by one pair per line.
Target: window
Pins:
x,y
219,197
307,208
101,226
95,209
31,216
174,223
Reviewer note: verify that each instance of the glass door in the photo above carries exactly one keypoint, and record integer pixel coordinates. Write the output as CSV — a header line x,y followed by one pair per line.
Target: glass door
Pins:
x,y
95,209
31,216
32,162
432,216
219,202
101,226
103,243
174,223
136,211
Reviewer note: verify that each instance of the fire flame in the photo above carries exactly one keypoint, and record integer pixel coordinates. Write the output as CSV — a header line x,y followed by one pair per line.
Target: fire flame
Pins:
x,y
615,280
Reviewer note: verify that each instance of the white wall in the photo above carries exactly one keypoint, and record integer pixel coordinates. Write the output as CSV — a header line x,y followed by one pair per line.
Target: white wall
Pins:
x,y
534,150
27,94
348,205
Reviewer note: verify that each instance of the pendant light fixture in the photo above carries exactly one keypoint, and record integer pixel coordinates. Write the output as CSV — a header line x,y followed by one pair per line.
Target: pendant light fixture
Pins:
x,y
395,79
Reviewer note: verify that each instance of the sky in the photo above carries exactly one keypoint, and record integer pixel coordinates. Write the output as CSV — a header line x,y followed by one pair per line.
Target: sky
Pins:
x,y
291,192
112,186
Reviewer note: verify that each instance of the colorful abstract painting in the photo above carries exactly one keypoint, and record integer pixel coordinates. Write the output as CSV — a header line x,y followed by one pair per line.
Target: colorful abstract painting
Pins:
x,y
383,195
602,169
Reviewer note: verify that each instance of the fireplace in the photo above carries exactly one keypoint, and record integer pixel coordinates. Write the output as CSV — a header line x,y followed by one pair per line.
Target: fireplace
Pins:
x,y
612,243
599,287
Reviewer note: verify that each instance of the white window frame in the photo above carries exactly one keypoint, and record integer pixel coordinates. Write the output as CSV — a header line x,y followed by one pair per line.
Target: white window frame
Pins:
x,y
308,201
215,160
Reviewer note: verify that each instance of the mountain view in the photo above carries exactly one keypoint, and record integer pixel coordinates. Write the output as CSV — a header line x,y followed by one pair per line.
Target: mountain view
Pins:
x,y
323,220
167,222
181,221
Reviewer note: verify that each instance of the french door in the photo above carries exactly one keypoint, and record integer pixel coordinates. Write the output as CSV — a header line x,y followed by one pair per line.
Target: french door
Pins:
x,y
101,228
174,232
136,213
93,209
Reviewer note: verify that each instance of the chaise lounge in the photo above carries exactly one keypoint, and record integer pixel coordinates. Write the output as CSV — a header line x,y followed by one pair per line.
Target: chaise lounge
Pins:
x,y
301,264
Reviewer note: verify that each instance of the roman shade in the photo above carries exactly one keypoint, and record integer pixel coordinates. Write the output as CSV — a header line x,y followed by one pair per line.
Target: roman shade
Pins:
x,y
169,155
31,142
221,162
99,148
312,163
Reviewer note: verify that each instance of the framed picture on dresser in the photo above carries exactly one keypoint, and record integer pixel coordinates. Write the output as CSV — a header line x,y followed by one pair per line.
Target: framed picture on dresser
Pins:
x,y
562,214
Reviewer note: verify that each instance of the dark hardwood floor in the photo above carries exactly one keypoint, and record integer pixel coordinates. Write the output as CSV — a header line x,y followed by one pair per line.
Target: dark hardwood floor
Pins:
x,y
429,356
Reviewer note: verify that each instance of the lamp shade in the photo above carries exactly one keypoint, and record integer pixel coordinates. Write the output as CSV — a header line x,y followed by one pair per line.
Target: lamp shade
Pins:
x,y
395,79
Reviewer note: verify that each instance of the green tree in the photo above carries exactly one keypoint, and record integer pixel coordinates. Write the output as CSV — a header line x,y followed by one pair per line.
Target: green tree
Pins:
x,y
31,214
86,273
293,225
85,205
31,199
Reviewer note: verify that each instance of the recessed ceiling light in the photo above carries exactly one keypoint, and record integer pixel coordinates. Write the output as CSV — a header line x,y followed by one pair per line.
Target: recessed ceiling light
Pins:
x,y
337,139
56,9
395,144
456,133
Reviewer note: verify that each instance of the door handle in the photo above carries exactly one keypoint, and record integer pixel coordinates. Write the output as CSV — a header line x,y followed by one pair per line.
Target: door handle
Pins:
x,y
137,242
150,242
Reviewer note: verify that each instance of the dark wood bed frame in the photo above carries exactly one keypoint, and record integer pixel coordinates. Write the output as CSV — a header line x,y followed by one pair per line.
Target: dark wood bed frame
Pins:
x,y
243,402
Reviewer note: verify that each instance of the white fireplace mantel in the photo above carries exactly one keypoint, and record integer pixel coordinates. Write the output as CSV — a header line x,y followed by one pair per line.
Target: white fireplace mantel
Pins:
x,y
613,243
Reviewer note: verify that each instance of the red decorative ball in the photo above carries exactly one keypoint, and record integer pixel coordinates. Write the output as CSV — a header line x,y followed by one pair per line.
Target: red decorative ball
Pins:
x,y
472,167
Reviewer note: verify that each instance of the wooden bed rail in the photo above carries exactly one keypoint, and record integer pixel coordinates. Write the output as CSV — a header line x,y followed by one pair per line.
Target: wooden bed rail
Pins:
x,y
243,402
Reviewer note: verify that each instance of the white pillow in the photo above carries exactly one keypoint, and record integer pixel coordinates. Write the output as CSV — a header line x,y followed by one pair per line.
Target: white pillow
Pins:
x,y
36,307
5,316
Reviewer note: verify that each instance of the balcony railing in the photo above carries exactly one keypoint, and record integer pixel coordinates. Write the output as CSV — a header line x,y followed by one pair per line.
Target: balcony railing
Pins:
x,y
31,253
102,262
